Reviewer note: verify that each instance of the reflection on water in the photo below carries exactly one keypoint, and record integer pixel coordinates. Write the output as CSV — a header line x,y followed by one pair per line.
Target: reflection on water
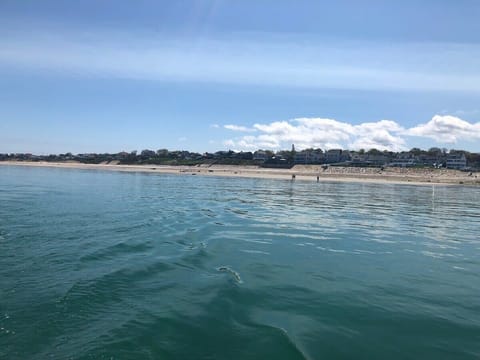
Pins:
x,y
125,265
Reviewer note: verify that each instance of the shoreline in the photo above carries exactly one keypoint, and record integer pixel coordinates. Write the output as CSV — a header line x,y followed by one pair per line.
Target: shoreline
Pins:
x,y
408,176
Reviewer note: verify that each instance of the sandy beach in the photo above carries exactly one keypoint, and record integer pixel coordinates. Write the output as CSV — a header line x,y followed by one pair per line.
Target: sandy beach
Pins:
x,y
298,172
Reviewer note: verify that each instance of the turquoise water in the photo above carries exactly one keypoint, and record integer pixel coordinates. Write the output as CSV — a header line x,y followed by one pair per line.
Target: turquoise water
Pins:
x,y
105,265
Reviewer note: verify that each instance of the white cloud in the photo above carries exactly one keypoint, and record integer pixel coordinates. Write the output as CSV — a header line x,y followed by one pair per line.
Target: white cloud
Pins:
x,y
252,143
322,133
239,128
381,135
380,140
229,143
446,129
304,132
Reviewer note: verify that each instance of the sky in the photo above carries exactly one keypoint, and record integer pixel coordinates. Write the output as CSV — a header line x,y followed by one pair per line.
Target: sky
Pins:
x,y
118,75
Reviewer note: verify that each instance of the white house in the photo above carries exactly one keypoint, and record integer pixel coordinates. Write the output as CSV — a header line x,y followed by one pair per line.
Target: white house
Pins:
x,y
456,161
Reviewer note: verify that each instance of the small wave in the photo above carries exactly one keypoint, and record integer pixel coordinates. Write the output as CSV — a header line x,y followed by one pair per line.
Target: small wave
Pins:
x,y
358,251
115,250
235,275
255,252
337,250
209,213
237,211
437,255
6,331
92,295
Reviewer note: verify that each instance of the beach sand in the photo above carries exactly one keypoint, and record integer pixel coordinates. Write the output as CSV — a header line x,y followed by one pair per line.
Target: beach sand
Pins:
x,y
411,176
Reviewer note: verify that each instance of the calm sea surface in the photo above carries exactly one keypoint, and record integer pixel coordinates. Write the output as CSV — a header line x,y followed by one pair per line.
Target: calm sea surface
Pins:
x,y
105,265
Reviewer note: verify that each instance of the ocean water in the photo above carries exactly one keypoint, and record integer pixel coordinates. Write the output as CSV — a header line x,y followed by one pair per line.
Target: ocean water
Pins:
x,y
108,265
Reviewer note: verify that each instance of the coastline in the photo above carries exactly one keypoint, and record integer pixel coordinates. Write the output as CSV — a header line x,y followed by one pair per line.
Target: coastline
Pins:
x,y
389,175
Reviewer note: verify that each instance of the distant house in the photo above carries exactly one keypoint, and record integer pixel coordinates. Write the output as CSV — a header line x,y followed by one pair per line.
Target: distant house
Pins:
x,y
359,159
456,160
404,159
429,160
345,156
221,154
86,156
369,159
147,153
122,154
377,159
333,156
260,155
309,157
162,152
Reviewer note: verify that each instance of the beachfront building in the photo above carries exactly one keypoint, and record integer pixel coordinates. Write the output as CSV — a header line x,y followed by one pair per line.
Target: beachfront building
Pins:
x,y
456,160
404,159
333,156
429,160
309,156
345,156
260,155
337,156
369,159
358,159
377,159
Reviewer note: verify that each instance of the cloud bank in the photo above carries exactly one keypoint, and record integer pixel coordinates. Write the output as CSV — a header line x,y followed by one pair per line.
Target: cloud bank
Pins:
x,y
330,133
448,129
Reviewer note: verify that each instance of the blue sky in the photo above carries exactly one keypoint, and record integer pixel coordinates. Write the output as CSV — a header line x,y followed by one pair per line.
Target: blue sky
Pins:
x,y
108,76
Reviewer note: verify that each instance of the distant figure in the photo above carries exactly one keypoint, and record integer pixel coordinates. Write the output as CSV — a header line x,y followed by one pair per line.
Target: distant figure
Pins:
x,y
293,176
318,178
